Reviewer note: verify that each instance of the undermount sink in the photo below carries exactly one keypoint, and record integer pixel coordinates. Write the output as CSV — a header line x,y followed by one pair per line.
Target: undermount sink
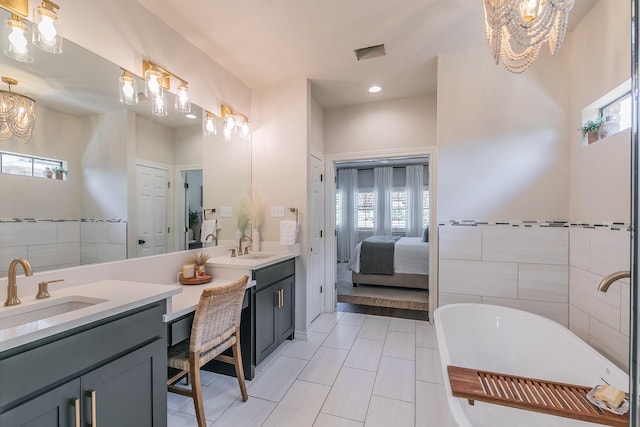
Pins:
x,y
45,309
257,255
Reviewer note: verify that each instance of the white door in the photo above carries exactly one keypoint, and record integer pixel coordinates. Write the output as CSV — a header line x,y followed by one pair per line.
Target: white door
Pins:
x,y
315,284
152,208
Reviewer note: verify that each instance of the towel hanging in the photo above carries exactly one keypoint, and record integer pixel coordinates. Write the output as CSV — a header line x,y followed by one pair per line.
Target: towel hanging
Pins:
x,y
288,232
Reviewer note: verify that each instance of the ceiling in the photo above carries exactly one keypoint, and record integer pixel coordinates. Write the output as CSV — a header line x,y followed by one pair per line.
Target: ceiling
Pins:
x,y
264,42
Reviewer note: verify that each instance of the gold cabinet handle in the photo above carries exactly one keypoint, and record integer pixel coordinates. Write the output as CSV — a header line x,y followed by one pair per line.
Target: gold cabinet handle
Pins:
x,y
94,422
76,407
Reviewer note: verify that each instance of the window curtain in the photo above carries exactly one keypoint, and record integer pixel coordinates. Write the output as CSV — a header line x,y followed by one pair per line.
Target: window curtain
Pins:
x,y
347,222
415,175
383,188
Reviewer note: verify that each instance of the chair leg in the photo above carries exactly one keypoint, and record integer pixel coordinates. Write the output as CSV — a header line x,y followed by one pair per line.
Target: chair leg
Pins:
x,y
237,361
196,389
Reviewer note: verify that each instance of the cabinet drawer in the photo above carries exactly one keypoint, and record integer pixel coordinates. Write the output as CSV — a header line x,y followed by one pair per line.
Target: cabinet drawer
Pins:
x,y
274,273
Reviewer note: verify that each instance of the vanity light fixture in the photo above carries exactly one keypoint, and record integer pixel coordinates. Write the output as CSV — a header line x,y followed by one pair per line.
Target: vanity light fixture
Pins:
x,y
517,29
157,80
47,34
208,124
17,113
128,88
234,121
18,48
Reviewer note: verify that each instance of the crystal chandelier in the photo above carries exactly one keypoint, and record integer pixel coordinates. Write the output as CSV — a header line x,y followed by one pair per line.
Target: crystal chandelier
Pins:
x,y
516,29
17,113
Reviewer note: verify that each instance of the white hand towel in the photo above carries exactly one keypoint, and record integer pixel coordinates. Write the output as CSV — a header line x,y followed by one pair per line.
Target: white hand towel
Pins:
x,y
288,232
209,226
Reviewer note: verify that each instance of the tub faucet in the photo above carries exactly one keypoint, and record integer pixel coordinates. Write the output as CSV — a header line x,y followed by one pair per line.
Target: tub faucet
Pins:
x,y
246,252
12,286
609,279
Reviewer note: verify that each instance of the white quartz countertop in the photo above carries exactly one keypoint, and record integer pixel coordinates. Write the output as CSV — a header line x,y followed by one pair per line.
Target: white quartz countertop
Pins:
x,y
253,261
108,298
186,301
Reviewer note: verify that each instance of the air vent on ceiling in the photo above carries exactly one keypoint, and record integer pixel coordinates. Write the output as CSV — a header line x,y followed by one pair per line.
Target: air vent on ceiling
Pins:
x,y
370,52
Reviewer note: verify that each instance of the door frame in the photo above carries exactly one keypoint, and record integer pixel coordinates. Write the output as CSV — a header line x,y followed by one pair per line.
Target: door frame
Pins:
x,y
331,255
323,226
179,200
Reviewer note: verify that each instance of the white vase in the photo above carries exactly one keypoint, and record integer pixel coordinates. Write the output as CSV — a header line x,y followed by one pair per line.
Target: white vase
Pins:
x,y
255,236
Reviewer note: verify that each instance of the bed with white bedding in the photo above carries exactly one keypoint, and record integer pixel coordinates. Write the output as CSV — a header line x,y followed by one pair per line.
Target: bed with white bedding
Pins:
x,y
410,265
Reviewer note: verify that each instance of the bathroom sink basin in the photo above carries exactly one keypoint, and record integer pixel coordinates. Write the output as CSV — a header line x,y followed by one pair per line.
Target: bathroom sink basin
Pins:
x,y
257,255
43,310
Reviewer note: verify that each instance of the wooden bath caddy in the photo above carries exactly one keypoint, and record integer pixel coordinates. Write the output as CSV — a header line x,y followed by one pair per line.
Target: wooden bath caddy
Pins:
x,y
547,397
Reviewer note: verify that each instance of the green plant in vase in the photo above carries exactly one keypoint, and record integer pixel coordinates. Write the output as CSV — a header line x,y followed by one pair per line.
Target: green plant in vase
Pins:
x,y
591,129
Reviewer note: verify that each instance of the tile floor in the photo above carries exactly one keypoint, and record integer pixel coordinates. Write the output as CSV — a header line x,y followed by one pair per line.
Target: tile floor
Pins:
x,y
354,370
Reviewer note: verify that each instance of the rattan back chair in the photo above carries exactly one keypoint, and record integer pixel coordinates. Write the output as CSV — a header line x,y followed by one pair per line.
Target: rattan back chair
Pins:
x,y
215,328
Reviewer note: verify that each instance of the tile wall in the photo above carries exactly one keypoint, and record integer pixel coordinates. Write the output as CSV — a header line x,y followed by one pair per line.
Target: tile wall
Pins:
x,y
549,268
53,244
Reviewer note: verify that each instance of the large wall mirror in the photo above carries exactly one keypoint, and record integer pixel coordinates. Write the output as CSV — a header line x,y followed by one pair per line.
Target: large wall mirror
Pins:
x,y
135,184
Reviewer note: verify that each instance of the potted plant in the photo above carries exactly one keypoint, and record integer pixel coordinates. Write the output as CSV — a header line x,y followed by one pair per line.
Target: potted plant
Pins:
x,y
591,129
60,172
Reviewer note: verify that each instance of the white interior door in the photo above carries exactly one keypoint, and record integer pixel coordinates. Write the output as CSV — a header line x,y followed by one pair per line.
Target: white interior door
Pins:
x,y
315,280
152,209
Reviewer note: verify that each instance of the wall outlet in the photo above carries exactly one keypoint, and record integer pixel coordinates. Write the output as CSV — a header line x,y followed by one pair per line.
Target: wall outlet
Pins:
x,y
277,211
226,212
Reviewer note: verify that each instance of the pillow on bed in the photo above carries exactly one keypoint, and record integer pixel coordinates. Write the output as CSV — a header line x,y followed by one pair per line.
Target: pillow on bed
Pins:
x,y
425,235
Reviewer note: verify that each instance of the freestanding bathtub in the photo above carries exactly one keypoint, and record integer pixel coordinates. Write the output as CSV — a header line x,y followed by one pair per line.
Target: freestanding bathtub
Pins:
x,y
506,340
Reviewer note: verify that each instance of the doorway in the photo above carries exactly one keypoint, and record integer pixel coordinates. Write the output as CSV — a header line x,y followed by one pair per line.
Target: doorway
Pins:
x,y
189,213
338,271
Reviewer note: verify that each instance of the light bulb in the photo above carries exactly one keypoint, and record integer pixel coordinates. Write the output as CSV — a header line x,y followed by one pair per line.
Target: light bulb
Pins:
x,y
47,30
127,89
153,84
245,129
183,98
18,41
229,123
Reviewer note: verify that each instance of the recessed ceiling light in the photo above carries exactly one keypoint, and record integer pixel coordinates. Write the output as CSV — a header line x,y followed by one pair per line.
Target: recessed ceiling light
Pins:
x,y
191,116
375,89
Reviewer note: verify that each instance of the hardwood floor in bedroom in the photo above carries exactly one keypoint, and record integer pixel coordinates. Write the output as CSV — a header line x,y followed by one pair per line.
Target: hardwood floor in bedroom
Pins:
x,y
379,300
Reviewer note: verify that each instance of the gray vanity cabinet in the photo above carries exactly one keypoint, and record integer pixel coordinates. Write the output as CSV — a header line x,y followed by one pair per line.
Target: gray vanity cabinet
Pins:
x,y
275,307
115,367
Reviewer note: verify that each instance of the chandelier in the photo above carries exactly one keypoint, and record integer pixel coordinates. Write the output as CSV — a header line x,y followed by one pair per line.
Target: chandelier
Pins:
x,y
516,29
17,113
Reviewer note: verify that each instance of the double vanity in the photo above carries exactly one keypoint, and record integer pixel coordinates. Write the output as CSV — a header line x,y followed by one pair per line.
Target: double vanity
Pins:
x,y
96,353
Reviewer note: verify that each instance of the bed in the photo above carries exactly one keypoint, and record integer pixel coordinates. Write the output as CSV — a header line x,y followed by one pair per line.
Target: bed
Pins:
x,y
400,262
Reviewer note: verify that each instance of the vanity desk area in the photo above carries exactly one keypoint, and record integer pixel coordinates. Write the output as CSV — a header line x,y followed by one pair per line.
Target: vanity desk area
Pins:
x,y
268,308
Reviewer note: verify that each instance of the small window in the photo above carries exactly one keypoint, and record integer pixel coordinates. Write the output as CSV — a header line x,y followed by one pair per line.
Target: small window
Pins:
x,y
19,164
617,114
366,207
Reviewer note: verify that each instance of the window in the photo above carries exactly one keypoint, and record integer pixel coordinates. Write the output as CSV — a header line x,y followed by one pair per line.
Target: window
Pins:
x,y
618,113
425,208
18,164
399,209
366,207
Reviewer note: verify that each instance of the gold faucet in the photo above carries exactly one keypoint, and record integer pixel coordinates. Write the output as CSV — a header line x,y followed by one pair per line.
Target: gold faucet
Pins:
x,y
246,252
12,287
608,280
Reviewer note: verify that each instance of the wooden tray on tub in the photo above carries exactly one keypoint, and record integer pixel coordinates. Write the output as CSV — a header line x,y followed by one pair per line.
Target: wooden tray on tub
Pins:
x,y
547,397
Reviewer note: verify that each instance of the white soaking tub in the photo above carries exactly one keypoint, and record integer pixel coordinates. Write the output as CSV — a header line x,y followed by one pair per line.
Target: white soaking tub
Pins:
x,y
516,342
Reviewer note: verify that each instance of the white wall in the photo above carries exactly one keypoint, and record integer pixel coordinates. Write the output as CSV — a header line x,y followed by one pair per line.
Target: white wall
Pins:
x,y
279,166
316,125
397,123
154,142
600,185
600,61
503,139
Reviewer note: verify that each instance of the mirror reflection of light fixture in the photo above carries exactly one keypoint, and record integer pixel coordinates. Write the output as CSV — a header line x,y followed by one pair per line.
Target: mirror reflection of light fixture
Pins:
x,y
524,25
159,105
234,122
47,34
128,89
183,98
17,113
208,124
18,48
